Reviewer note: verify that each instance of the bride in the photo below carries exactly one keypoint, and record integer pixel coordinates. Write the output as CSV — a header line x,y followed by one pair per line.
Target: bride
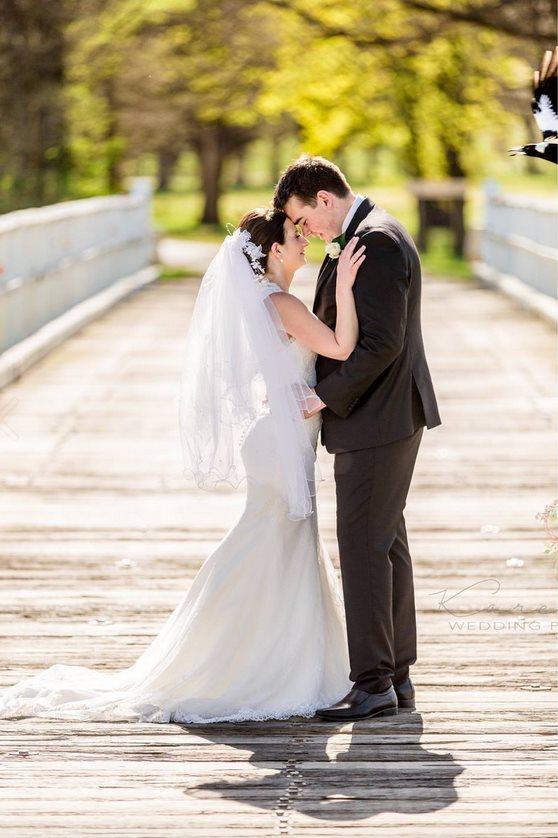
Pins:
x,y
260,634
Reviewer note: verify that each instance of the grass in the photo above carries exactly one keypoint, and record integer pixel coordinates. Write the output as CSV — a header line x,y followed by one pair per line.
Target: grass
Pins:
x,y
176,213
439,259
167,272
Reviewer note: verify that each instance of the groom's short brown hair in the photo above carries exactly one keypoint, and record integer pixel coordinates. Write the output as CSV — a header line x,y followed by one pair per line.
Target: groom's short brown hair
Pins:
x,y
304,178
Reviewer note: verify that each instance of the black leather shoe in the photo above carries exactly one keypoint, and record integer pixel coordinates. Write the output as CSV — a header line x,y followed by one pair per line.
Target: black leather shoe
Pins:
x,y
359,704
405,695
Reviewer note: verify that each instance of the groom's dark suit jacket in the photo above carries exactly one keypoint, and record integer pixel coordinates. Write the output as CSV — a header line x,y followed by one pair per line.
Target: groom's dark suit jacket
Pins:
x,y
383,391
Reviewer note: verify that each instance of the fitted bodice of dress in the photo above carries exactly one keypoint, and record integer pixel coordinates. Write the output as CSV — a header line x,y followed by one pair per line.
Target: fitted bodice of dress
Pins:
x,y
306,362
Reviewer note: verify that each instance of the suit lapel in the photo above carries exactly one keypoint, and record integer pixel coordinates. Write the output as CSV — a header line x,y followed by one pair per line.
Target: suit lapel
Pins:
x,y
325,271
364,208
323,266
328,266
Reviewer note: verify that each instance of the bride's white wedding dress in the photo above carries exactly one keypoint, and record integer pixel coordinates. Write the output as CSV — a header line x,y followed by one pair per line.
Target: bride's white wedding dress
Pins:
x,y
259,635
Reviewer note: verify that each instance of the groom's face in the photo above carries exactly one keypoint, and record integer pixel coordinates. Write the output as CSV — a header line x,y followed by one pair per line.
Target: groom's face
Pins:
x,y
320,221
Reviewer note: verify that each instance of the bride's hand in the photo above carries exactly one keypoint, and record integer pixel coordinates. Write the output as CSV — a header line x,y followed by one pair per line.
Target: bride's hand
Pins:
x,y
309,413
350,261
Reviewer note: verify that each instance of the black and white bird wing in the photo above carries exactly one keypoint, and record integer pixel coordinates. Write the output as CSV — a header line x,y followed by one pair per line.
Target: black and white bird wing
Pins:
x,y
544,103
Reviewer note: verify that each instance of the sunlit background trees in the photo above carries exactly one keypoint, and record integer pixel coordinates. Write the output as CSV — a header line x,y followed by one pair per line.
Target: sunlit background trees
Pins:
x,y
212,97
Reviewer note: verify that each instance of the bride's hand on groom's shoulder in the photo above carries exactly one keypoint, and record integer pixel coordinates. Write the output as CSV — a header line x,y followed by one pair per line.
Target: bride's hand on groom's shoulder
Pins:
x,y
350,260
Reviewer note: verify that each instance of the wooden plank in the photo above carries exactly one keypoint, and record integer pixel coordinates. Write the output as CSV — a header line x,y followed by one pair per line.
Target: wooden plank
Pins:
x,y
97,522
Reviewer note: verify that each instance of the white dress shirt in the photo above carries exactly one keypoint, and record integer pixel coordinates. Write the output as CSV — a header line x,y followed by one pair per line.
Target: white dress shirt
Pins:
x,y
354,206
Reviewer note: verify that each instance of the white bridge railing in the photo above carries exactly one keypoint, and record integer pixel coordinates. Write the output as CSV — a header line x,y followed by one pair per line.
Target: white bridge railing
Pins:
x,y
518,242
54,257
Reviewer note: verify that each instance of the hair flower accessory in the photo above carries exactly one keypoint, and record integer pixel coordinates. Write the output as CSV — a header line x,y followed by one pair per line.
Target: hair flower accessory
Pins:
x,y
253,252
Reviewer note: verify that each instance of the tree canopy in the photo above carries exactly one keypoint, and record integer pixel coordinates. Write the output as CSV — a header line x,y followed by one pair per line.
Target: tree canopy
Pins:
x,y
90,86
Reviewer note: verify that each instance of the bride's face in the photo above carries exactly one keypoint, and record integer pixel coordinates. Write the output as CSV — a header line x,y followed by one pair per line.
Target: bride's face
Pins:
x,y
293,250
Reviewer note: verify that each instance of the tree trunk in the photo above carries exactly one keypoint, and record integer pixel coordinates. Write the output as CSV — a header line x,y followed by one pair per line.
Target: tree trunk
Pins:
x,y
113,141
167,161
114,173
454,166
342,161
211,159
240,178
371,164
32,77
274,159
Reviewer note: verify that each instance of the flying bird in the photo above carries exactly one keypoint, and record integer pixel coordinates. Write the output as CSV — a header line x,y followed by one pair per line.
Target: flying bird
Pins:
x,y
545,109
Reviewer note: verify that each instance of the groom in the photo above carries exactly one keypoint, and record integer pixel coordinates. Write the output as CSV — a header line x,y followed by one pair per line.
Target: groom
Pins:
x,y
375,406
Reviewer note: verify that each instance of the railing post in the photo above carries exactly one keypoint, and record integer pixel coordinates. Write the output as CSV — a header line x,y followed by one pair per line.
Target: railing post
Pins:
x,y
519,249
55,257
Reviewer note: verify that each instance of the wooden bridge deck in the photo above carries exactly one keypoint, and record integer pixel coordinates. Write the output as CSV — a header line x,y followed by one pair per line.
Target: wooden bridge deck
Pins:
x,y
101,535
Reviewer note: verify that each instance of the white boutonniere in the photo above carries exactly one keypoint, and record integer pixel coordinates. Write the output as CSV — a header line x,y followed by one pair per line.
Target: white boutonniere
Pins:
x,y
333,250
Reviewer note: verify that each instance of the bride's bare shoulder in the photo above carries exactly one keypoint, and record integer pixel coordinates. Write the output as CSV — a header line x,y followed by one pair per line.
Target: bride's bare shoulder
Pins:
x,y
287,302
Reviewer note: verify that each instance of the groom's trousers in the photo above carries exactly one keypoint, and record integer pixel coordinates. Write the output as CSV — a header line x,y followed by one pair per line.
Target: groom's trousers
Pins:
x,y
376,569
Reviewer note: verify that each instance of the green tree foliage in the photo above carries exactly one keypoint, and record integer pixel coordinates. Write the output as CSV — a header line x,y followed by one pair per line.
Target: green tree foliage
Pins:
x,y
448,98
160,76
33,123
90,86
437,100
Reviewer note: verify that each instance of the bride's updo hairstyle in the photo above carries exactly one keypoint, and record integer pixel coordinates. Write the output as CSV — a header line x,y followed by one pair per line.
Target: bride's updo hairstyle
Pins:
x,y
265,228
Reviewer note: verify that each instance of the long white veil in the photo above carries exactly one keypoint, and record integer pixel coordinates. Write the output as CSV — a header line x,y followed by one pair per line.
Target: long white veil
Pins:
x,y
238,367
236,354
